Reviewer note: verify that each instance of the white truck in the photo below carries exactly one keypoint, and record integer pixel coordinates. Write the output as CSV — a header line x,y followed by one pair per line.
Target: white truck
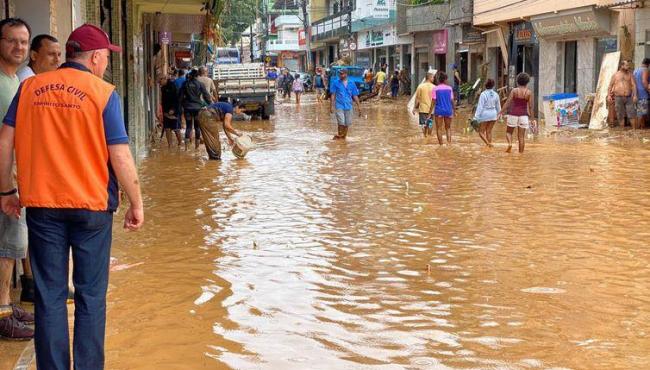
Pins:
x,y
247,83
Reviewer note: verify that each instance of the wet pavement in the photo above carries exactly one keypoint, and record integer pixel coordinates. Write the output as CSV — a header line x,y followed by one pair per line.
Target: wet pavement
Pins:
x,y
387,252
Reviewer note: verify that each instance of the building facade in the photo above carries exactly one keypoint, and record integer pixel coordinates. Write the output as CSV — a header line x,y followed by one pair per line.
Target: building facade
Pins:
x,y
561,44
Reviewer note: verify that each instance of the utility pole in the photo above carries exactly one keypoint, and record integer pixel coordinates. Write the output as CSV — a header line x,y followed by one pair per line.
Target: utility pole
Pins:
x,y
251,35
265,15
305,25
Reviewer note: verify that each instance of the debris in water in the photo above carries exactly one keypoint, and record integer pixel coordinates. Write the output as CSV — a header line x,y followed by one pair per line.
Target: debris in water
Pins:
x,y
592,170
125,266
254,244
529,187
428,268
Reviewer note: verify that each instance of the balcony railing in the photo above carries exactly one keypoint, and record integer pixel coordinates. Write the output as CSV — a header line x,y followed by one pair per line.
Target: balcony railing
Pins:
x,y
283,44
331,26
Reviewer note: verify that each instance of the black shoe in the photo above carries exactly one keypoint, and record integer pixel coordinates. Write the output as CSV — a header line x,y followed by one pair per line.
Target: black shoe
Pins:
x,y
27,292
12,329
21,315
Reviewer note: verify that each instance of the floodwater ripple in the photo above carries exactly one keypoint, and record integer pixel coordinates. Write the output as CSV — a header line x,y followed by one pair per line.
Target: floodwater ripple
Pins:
x,y
388,252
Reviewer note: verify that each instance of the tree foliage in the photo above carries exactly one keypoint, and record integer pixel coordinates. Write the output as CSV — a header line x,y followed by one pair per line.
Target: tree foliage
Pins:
x,y
236,17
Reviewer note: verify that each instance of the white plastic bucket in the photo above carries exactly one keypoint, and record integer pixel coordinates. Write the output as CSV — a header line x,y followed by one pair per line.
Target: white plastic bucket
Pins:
x,y
241,146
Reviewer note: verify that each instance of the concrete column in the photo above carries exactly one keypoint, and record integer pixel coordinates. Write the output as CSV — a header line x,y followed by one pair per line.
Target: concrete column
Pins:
x,y
585,70
401,56
387,59
374,59
547,70
641,24
414,83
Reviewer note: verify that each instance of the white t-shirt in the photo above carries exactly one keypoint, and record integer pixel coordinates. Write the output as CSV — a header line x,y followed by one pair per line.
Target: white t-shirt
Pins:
x,y
25,73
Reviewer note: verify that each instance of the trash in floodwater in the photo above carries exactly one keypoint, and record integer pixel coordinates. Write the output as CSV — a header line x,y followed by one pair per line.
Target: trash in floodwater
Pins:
x,y
125,266
544,290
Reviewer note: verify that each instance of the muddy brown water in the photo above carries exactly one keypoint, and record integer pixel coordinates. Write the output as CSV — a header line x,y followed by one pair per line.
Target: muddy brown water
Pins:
x,y
388,252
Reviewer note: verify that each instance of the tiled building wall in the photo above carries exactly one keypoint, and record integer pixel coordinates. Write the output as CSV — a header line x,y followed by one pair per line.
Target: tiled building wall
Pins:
x,y
642,22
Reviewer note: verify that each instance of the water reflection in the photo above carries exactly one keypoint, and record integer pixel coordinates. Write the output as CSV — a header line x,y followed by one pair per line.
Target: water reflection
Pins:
x,y
388,252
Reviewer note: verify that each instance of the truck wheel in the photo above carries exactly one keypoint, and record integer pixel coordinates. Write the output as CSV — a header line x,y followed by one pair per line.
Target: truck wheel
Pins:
x,y
265,116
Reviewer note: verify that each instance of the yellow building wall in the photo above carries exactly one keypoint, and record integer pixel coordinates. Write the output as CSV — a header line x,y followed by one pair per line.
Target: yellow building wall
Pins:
x,y
318,10
488,11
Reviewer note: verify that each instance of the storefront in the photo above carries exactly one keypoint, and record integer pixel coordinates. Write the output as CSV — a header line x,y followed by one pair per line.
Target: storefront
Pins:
x,y
572,45
381,46
470,53
524,56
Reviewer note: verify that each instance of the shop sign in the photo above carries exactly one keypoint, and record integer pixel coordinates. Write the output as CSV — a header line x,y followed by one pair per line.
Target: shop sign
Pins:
x,y
440,41
374,38
302,39
380,9
524,33
472,35
576,24
165,37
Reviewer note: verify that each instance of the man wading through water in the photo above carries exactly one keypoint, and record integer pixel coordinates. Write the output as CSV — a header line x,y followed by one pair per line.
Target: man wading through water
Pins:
x,y
209,120
343,93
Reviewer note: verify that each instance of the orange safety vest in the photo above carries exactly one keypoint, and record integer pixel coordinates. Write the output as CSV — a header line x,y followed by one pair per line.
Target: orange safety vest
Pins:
x,y
62,157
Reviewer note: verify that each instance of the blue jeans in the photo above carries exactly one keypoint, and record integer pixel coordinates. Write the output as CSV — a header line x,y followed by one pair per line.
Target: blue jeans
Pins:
x,y
394,89
192,123
52,232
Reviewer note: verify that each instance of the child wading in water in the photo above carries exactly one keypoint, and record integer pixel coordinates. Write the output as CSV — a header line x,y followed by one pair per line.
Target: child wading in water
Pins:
x,y
519,108
297,88
443,106
489,106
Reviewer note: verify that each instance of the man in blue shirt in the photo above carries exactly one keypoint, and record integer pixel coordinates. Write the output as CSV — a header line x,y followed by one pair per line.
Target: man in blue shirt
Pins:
x,y
343,93
209,121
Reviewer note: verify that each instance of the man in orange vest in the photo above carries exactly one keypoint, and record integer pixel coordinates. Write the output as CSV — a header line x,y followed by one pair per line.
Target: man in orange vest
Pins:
x,y
71,149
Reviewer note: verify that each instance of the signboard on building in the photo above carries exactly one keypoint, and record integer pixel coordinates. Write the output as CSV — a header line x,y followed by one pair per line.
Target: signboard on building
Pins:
x,y
440,38
380,9
576,23
165,38
302,37
472,35
524,33
381,36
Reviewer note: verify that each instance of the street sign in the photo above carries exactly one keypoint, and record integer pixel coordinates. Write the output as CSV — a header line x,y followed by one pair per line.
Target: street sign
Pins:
x,y
353,46
165,37
267,59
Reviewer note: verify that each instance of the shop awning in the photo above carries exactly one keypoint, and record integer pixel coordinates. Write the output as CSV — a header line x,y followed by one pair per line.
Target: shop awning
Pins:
x,y
502,43
611,3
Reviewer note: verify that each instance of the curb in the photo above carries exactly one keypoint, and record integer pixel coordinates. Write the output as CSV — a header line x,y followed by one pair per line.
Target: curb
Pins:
x,y
26,357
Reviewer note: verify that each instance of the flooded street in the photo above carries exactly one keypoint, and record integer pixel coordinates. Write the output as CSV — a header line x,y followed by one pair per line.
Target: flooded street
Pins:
x,y
387,252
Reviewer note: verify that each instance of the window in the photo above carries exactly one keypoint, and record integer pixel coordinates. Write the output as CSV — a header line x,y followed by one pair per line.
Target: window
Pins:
x,y
570,66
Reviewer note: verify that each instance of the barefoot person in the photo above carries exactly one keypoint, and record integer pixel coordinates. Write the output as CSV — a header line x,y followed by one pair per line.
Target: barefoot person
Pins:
x,y
343,93
170,113
319,84
519,108
489,106
622,91
641,77
210,119
443,107
297,88
423,104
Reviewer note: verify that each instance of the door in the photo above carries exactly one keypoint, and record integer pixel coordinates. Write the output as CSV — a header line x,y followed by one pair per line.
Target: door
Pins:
x,y
570,66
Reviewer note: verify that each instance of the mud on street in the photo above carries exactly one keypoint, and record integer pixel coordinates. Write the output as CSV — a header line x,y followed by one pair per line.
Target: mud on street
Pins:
x,y
387,252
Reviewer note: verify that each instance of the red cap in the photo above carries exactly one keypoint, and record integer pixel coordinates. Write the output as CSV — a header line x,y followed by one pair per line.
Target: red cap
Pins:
x,y
89,37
